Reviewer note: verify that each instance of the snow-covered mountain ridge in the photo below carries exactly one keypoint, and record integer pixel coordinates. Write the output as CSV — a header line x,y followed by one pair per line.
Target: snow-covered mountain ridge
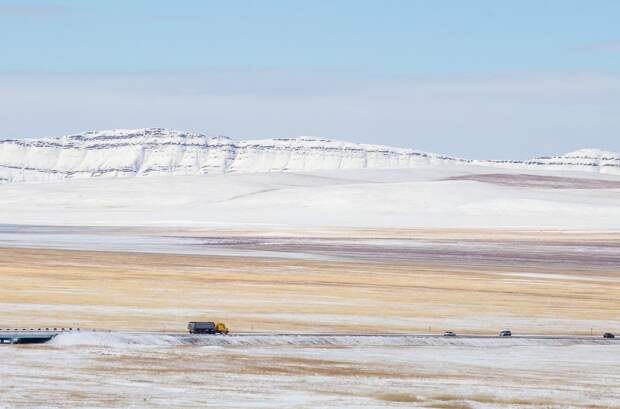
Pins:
x,y
156,151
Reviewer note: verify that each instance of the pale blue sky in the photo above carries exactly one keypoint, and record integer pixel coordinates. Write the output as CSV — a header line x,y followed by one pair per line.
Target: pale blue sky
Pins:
x,y
505,79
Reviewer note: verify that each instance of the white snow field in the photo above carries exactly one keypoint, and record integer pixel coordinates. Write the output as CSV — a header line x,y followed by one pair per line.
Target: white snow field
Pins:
x,y
425,196
96,178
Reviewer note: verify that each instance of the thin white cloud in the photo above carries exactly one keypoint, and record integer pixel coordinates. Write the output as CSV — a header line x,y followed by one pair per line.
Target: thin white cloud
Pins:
x,y
603,46
31,9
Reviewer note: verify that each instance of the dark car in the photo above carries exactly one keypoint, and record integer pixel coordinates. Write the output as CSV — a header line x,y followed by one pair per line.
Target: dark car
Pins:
x,y
505,333
449,334
609,335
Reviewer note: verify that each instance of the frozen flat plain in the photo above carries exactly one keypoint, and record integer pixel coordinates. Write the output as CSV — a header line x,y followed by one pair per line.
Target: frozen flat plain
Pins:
x,y
518,248
225,242
127,371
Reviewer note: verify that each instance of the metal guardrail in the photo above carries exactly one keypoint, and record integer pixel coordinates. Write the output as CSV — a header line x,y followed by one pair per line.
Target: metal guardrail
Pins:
x,y
44,329
32,335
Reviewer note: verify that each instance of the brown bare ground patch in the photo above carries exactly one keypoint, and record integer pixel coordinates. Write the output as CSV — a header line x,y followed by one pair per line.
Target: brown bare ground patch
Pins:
x,y
539,181
489,399
500,401
259,365
333,371
398,397
450,405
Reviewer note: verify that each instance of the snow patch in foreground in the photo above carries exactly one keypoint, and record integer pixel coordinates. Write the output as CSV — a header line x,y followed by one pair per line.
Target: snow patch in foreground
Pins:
x,y
113,339
124,340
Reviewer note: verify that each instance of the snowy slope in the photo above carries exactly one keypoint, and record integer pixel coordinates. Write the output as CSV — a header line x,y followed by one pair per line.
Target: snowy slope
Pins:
x,y
155,151
428,196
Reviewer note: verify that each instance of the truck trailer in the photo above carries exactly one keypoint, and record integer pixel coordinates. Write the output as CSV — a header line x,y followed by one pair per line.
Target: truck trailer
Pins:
x,y
207,327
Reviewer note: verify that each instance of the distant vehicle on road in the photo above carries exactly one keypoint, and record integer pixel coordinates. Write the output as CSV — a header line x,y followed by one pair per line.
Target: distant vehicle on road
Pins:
x,y
609,335
449,334
207,327
505,333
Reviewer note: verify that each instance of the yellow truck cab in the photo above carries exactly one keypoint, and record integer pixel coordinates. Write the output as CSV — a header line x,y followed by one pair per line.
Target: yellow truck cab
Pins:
x,y
220,328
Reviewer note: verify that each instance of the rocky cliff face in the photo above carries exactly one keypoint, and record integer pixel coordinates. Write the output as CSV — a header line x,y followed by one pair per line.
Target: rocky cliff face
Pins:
x,y
155,151
584,159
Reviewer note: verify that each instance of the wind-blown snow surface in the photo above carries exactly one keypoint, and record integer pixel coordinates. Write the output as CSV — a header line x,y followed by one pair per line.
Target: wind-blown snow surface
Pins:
x,y
427,196
155,371
155,151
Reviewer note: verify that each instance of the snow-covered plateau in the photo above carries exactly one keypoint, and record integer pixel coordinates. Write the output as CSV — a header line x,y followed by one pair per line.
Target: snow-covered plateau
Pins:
x,y
195,180
156,151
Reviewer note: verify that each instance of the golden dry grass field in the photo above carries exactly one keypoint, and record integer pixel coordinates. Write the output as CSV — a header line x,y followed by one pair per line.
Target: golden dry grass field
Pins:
x,y
142,291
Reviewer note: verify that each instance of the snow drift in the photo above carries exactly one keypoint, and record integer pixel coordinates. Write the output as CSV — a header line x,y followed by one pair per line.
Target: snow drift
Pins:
x,y
127,339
